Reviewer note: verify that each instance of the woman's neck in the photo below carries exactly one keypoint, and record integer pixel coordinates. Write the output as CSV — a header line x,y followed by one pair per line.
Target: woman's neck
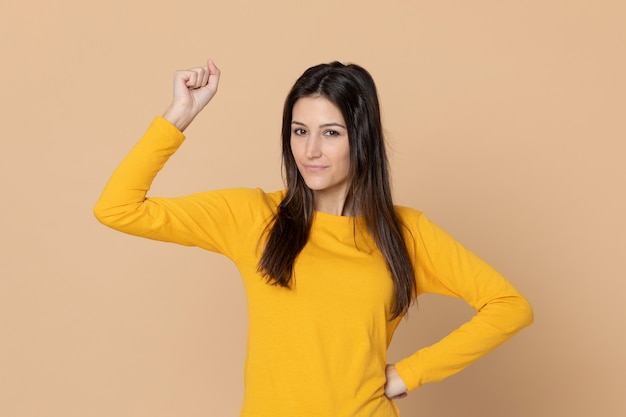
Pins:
x,y
335,206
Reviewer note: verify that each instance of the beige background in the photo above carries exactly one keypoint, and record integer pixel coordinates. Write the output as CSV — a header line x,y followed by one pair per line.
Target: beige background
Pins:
x,y
506,123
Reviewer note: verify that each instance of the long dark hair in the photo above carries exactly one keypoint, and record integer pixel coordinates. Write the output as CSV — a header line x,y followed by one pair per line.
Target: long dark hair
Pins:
x,y
352,89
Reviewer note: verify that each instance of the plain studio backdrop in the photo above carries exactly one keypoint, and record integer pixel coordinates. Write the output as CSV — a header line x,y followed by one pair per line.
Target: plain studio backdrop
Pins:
x,y
506,126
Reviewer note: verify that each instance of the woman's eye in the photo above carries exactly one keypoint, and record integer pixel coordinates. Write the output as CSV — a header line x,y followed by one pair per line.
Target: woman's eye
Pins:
x,y
299,132
331,133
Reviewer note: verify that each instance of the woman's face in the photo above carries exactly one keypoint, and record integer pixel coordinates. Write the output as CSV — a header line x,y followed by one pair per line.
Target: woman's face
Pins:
x,y
320,147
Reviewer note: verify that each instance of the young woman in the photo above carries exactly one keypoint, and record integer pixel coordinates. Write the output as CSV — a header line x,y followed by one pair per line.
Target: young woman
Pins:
x,y
330,265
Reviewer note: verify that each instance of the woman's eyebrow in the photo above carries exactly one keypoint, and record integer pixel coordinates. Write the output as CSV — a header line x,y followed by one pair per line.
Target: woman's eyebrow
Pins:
x,y
332,124
295,122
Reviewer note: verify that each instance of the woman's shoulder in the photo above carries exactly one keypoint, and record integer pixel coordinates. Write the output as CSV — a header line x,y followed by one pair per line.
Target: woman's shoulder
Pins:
x,y
408,214
415,221
270,199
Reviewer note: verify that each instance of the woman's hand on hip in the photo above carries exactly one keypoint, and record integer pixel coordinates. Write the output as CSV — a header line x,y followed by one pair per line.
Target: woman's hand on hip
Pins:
x,y
193,89
394,387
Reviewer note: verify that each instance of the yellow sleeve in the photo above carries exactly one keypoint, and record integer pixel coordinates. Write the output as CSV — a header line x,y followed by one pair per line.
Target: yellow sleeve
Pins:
x,y
444,266
217,220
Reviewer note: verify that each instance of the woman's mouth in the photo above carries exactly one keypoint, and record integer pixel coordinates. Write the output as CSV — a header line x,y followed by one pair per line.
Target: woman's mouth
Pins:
x,y
314,168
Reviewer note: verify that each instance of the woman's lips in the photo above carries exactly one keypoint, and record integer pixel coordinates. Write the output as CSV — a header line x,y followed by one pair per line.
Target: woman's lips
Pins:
x,y
315,168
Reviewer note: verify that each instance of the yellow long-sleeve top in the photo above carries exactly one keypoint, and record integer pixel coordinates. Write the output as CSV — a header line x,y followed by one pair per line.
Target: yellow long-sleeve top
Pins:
x,y
319,348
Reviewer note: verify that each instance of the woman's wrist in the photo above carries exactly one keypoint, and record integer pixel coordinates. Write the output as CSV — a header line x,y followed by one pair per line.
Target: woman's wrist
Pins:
x,y
177,117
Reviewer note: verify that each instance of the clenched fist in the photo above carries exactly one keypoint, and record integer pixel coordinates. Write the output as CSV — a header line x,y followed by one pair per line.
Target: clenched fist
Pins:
x,y
193,89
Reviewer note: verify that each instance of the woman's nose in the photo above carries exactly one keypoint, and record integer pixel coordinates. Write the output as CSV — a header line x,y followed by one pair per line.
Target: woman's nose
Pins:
x,y
313,147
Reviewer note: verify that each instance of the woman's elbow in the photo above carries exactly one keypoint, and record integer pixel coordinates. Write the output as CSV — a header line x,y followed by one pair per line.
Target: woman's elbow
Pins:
x,y
98,211
524,315
105,214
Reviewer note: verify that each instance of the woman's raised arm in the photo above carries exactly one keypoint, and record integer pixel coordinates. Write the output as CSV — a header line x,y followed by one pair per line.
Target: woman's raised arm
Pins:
x,y
123,204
